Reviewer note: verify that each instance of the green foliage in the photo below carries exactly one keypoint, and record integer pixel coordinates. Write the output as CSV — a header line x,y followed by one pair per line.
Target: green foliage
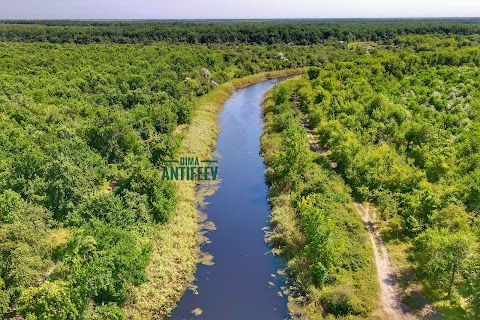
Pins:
x,y
106,207
317,228
315,118
49,300
83,133
402,125
313,73
113,137
24,250
281,95
292,160
107,311
298,32
107,259
282,121
443,256
4,298
141,177
322,240
10,202
184,111
340,303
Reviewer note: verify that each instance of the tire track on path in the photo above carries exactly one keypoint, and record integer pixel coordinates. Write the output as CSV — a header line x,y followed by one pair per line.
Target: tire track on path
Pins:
x,y
389,289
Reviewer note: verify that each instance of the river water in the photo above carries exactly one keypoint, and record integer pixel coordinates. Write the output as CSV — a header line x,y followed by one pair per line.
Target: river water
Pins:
x,y
243,283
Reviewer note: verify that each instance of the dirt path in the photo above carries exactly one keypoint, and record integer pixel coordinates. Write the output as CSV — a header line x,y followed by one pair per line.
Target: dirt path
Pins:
x,y
45,276
389,289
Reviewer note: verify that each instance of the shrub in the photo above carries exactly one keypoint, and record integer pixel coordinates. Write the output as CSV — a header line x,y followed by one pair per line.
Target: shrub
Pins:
x,y
340,303
51,300
313,73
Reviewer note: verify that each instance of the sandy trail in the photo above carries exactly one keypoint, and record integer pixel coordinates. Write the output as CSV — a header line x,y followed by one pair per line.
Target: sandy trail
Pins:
x,y
389,289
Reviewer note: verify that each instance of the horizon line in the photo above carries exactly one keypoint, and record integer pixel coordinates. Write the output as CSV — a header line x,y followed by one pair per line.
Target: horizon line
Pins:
x,y
244,19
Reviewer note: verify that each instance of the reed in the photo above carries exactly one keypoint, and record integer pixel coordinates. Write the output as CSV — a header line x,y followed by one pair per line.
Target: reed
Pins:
x,y
176,245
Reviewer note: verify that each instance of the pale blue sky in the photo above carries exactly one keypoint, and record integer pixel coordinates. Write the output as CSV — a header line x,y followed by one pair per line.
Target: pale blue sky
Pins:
x,y
203,9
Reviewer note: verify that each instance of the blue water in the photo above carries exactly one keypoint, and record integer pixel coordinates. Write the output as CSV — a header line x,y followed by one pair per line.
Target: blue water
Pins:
x,y
237,285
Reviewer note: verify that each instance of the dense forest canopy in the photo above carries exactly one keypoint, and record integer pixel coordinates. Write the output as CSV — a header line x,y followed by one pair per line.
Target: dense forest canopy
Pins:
x,y
314,225
83,132
299,32
402,126
89,109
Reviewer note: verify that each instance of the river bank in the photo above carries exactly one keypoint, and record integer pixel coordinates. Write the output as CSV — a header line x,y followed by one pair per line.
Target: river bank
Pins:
x,y
176,248
315,226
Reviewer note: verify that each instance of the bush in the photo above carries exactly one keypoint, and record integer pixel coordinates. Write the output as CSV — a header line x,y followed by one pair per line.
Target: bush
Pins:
x,y
4,298
140,176
319,273
108,311
282,121
108,208
51,300
313,73
107,260
10,202
281,94
315,118
341,303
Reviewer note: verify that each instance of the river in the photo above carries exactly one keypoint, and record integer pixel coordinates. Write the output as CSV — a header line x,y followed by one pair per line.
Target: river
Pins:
x,y
243,283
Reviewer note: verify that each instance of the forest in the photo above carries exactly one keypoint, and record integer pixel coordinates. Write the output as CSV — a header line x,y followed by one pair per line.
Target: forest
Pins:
x,y
315,229
402,127
90,109
297,32
84,130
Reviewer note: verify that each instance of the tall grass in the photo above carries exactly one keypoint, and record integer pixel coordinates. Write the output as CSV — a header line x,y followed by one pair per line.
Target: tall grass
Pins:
x,y
177,243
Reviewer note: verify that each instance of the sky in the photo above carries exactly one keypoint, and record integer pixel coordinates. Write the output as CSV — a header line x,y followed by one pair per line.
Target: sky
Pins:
x,y
239,9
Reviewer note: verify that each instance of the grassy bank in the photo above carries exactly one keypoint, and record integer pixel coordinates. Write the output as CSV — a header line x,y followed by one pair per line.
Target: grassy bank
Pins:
x,y
176,244
315,226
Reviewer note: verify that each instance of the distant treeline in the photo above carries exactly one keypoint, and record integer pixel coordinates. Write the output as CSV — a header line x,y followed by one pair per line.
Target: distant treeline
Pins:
x,y
299,32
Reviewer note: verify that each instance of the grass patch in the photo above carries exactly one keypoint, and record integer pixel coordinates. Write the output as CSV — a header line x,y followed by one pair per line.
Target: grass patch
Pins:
x,y
58,238
176,245
361,44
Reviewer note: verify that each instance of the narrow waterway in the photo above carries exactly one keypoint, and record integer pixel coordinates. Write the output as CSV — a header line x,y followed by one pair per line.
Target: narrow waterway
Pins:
x,y
243,283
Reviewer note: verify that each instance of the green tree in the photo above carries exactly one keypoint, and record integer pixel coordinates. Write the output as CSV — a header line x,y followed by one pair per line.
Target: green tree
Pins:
x,y
319,249
313,73
51,300
443,256
294,155
109,311
10,202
